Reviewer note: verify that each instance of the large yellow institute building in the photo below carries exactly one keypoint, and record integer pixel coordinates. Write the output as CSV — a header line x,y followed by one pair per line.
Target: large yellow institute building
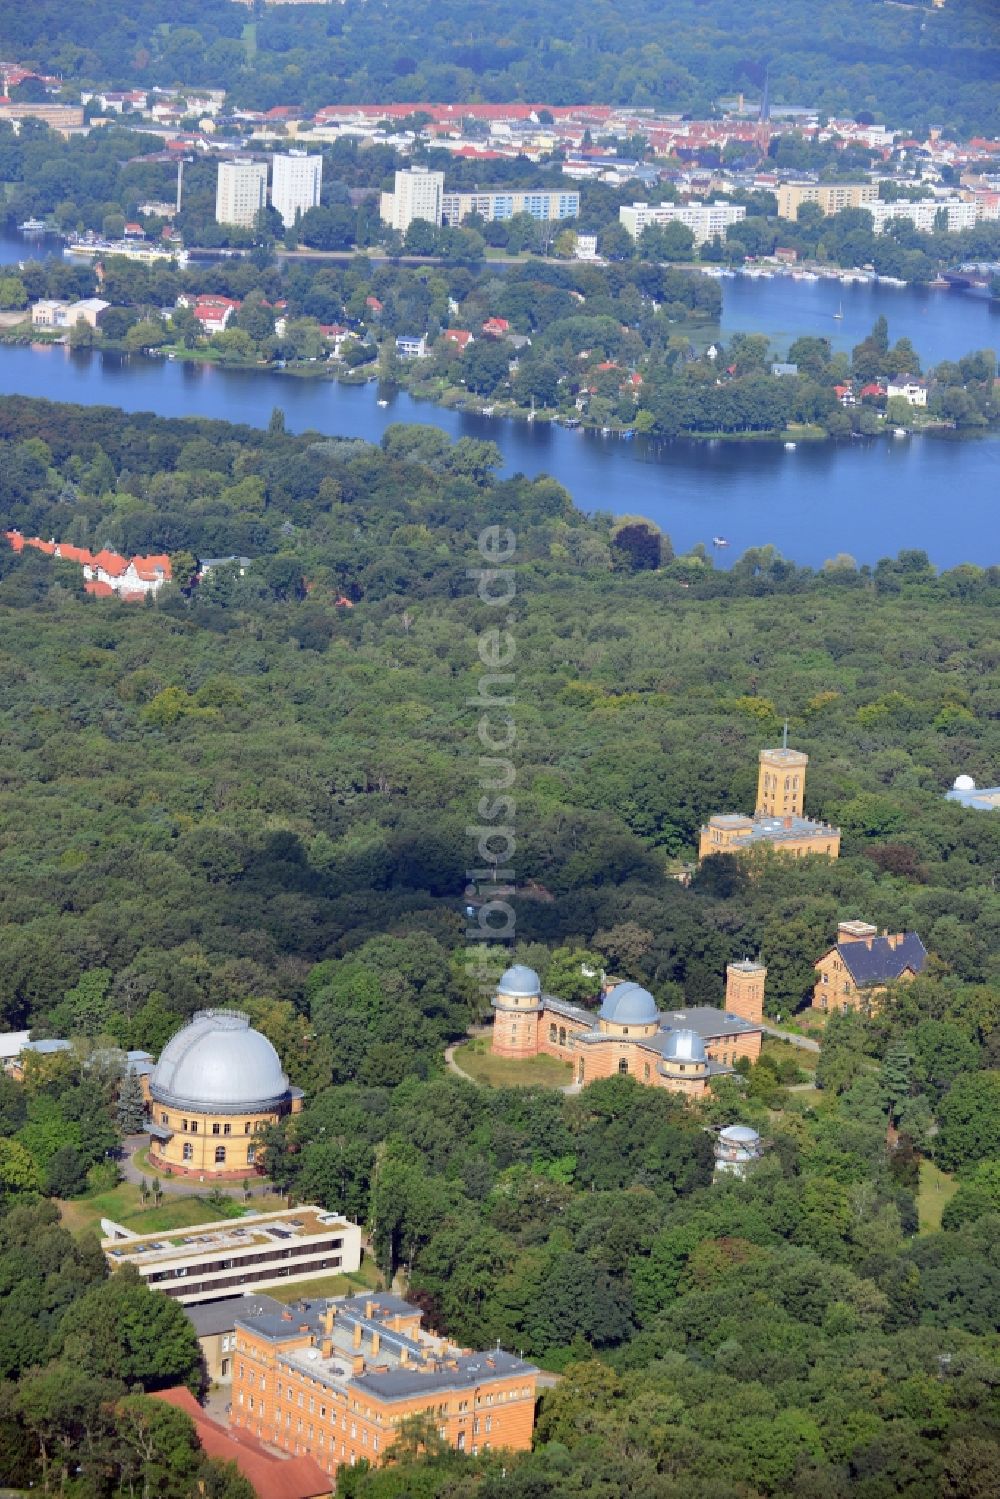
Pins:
x,y
335,1381
681,1050
216,1085
778,819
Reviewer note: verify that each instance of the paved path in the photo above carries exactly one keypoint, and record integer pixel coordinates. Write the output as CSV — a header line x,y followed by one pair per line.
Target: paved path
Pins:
x,y
183,1186
805,1043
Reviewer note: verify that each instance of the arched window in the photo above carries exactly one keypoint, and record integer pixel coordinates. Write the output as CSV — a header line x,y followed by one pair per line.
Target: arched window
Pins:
x,y
552,1032
188,1151
562,1035
623,1065
220,1155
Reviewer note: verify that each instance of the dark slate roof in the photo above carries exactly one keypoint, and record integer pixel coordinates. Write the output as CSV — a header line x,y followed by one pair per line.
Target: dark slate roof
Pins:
x,y
881,962
209,1317
383,1304
473,1369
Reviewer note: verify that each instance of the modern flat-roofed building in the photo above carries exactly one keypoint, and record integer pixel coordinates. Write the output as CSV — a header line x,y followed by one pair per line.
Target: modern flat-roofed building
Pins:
x,y
546,207
296,181
417,194
831,196
240,192
334,1381
705,220
240,1254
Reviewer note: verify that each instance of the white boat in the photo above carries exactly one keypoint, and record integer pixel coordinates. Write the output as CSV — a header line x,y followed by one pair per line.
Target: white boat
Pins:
x,y
33,226
899,431
128,249
719,541
789,447
381,403
839,312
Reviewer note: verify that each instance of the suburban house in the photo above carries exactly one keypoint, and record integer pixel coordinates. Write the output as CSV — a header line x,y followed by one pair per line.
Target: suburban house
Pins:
x,y
909,388
496,327
213,312
460,337
411,346
52,313
855,972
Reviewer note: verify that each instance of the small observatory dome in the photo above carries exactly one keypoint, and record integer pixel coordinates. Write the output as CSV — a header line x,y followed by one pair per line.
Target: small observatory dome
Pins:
x,y
520,982
629,1004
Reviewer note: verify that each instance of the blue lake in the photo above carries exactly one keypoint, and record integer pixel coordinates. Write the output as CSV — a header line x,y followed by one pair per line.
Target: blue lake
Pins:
x,y
868,498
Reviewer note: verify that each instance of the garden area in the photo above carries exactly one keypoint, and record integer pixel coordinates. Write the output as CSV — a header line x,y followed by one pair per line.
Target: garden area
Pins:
x,y
478,1062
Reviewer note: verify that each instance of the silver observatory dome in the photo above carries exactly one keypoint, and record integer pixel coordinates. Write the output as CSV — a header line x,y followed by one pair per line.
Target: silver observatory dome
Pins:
x,y
217,1063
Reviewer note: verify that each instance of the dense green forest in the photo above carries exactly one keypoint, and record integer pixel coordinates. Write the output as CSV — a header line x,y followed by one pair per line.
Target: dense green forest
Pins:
x,y
259,789
255,778
917,65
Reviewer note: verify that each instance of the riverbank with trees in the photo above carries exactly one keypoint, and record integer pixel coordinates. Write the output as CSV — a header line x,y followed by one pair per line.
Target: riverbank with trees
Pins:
x,y
630,347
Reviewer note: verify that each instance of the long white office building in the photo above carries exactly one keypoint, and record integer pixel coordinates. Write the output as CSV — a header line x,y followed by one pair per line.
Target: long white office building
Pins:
x,y
237,1255
546,207
241,192
296,181
705,220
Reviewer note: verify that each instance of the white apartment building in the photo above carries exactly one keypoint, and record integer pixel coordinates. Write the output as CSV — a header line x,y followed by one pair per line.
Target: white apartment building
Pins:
x,y
546,207
923,212
418,195
241,192
705,220
296,179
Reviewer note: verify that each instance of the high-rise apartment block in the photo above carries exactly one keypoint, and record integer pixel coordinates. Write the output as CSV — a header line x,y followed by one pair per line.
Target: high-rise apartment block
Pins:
x,y
296,179
418,194
241,192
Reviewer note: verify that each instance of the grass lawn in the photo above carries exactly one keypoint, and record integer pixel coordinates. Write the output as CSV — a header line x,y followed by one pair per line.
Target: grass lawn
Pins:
x,y
937,1189
365,1279
784,1051
477,1061
122,1205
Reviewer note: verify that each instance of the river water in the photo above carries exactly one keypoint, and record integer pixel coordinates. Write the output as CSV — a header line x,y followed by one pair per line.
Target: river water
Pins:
x,y
868,498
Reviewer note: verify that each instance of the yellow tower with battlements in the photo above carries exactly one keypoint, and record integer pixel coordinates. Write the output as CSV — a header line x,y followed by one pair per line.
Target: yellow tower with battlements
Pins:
x,y
781,781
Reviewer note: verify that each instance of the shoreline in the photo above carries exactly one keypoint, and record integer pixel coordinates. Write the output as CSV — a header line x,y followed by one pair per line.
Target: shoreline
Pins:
x,y
811,434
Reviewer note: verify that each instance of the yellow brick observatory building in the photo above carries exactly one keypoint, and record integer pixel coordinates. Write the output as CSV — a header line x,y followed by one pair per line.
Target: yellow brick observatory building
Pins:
x,y
216,1085
681,1050
778,820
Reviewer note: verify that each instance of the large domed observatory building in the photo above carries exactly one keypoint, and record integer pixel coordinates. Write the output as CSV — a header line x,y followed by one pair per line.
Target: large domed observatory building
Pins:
x,y
680,1050
217,1083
